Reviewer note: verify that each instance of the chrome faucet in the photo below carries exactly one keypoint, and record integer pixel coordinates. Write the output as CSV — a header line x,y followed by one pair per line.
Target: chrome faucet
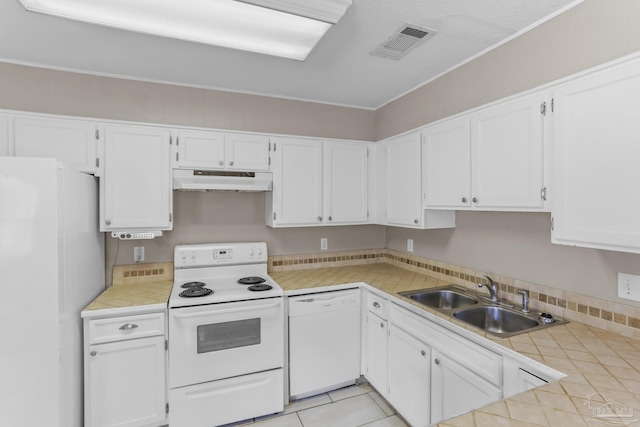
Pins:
x,y
492,288
525,300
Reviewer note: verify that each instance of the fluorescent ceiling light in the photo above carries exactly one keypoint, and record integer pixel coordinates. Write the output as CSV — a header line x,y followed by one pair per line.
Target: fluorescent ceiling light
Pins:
x,y
324,10
226,23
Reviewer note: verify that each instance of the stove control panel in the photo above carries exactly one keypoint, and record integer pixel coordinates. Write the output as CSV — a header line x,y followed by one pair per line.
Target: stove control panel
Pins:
x,y
213,254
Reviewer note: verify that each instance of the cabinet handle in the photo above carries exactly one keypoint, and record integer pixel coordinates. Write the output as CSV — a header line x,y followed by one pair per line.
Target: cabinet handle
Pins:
x,y
319,218
422,352
221,163
231,163
437,361
415,221
108,222
464,200
474,200
376,304
93,353
128,326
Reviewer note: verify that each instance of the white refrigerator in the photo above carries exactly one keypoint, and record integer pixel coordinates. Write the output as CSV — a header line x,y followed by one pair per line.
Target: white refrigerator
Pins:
x,y
51,267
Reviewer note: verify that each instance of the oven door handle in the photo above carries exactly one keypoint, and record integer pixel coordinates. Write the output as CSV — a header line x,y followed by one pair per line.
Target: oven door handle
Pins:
x,y
224,311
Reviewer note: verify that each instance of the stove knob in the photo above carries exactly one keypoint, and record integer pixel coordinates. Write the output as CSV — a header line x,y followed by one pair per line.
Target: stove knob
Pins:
x,y
259,251
252,251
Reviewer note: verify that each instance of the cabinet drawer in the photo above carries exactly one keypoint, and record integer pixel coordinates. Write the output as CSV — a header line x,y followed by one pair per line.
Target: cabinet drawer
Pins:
x,y
474,357
377,305
125,328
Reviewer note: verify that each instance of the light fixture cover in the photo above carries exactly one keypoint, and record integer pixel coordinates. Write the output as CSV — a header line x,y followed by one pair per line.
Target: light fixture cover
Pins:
x,y
323,10
226,23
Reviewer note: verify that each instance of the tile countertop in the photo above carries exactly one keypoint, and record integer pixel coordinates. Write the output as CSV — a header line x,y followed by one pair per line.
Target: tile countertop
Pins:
x,y
596,362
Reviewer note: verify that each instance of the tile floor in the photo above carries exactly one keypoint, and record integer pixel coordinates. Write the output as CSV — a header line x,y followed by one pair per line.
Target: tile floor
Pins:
x,y
355,406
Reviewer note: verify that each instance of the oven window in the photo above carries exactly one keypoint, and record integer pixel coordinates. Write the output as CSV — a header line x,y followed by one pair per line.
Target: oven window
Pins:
x,y
226,335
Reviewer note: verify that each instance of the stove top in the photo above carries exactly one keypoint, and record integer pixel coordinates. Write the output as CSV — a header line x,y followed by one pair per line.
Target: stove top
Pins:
x,y
219,273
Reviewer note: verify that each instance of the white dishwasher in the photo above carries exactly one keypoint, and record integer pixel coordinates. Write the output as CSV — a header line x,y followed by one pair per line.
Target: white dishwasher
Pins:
x,y
324,342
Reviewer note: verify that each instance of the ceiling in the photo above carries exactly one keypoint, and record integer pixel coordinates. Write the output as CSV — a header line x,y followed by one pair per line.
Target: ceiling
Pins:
x,y
339,70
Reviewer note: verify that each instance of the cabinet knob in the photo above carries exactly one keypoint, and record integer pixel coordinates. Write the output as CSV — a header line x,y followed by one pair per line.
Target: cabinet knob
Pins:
x,y
415,221
382,325
422,352
437,361
330,218
108,222
221,163
319,218
464,200
231,163
376,304
93,353
474,200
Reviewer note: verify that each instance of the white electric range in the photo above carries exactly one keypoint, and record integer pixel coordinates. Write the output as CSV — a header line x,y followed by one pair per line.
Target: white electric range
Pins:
x,y
226,335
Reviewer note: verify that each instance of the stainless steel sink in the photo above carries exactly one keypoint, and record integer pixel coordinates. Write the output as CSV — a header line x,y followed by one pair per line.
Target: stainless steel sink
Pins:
x,y
441,298
497,320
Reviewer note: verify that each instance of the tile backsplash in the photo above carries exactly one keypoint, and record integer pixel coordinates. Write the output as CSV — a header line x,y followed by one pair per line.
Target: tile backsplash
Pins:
x,y
619,318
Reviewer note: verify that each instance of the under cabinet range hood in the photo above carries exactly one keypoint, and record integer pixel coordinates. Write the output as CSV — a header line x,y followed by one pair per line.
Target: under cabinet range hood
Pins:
x,y
204,180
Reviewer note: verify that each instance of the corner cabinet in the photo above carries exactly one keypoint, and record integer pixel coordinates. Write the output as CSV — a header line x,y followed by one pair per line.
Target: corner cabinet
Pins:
x,y
400,186
596,152
490,159
318,183
125,371
70,141
135,184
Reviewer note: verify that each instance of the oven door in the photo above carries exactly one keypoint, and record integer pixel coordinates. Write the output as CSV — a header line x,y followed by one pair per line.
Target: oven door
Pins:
x,y
216,341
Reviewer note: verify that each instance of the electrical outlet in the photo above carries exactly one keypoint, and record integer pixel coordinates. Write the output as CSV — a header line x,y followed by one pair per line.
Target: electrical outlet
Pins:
x,y
138,254
324,245
629,286
409,245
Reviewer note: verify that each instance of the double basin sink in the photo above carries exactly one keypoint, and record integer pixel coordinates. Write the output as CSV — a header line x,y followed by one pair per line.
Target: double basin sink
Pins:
x,y
496,318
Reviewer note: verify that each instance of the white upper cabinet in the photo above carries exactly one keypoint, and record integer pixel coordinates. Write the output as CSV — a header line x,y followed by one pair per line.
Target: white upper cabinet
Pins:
x,y
70,141
346,182
318,183
399,183
296,199
507,155
135,187
446,164
222,151
596,155
491,159
403,183
4,136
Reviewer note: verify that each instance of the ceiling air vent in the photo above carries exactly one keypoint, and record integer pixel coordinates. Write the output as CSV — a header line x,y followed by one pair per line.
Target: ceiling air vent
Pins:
x,y
402,41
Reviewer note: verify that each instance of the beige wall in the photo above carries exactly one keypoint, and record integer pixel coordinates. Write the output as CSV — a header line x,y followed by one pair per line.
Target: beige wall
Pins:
x,y
519,245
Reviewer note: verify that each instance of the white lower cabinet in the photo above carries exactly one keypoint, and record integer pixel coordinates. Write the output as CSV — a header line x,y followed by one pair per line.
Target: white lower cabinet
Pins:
x,y
125,371
409,377
456,389
4,136
376,352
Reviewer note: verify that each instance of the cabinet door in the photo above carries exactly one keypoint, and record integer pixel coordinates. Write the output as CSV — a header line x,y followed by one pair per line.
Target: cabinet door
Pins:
x,y
4,136
376,352
247,152
456,389
204,150
507,155
409,377
69,141
446,165
404,185
297,182
135,190
596,152
126,383
346,180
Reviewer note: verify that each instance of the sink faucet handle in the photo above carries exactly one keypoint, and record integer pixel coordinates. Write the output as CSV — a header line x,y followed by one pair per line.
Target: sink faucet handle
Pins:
x,y
525,300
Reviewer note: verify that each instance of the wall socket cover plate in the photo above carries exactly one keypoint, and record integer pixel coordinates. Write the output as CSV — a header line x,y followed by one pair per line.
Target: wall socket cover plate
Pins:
x,y
629,286
409,245
324,244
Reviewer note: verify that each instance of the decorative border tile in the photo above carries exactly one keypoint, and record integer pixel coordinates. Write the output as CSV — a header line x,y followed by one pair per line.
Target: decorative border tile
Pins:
x,y
619,318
